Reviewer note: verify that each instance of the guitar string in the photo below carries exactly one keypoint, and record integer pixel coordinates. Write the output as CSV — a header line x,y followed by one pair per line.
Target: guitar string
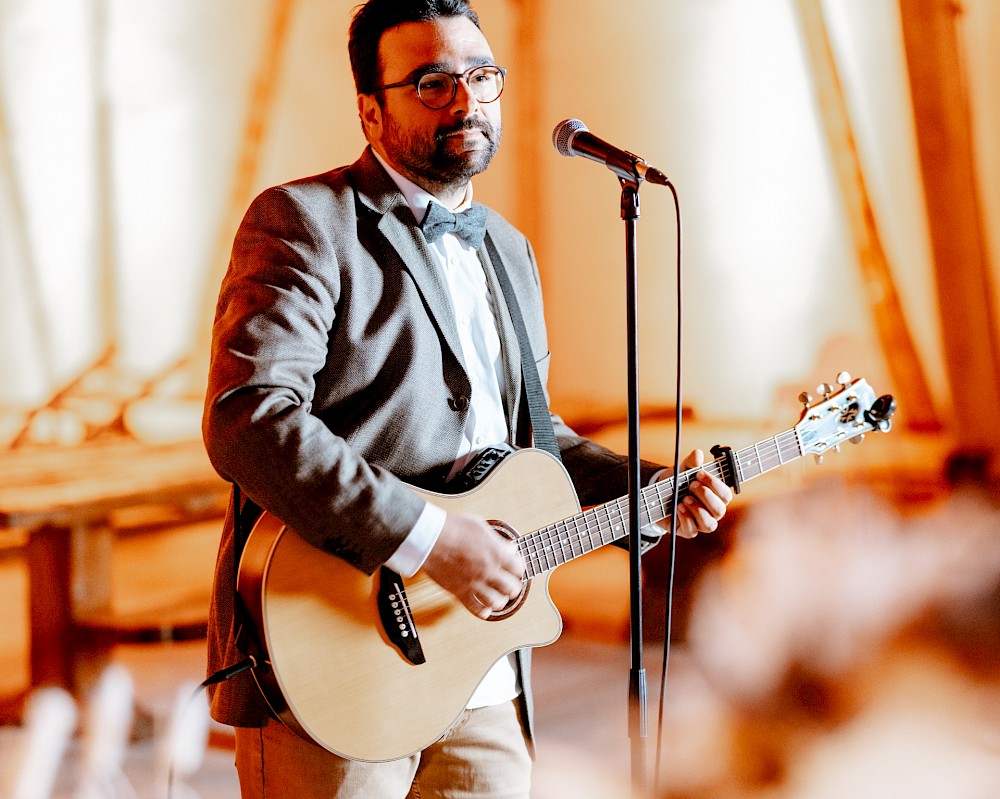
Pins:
x,y
562,541
575,544
603,524
610,518
550,546
665,486
547,548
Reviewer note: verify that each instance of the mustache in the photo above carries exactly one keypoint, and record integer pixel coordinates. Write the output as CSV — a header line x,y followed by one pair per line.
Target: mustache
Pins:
x,y
468,123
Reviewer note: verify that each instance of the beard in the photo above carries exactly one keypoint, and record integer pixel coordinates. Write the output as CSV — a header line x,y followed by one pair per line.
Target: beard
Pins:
x,y
434,160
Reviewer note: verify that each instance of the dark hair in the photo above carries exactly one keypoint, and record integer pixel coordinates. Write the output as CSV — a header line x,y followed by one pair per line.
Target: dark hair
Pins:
x,y
376,17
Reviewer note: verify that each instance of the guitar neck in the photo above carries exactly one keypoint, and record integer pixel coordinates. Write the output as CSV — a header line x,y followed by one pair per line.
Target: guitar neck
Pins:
x,y
567,539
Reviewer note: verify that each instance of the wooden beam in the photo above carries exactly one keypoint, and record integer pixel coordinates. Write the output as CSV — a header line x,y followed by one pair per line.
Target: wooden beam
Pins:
x,y
529,115
961,263
255,130
917,410
25,262
104,250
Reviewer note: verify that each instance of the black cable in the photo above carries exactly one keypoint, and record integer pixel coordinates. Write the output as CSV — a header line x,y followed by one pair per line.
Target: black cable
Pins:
x,y
221,675
678,416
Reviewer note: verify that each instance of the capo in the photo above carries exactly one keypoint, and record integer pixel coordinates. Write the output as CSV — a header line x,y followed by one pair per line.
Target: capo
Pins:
x,y
726,453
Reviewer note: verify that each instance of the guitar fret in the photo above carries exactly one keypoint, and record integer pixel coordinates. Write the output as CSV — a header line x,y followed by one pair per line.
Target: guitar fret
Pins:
x,y
664,492
568,548
588,537
646,516
555,547
766,451
524,546
576,547
750,463
619,523
579,535
559,546
548,552
766,455
595,529
665,495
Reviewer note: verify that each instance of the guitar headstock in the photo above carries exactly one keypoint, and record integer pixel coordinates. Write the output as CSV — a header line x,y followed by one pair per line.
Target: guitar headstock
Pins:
x,y
842,416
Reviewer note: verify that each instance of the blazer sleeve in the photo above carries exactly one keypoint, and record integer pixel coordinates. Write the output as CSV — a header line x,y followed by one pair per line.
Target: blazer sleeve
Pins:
x,y
277,305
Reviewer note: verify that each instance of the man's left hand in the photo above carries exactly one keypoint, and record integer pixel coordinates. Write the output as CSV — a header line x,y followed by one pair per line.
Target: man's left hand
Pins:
x,y
705,504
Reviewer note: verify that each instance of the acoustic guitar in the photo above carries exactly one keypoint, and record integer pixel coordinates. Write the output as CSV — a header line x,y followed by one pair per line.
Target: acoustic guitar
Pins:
x,y
374,668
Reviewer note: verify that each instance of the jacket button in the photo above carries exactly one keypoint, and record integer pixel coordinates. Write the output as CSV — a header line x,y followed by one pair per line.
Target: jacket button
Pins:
x,y
459,403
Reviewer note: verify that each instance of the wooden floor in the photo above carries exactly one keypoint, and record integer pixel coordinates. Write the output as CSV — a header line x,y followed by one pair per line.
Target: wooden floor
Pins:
x,y
584,750
916,713
930,733
581,681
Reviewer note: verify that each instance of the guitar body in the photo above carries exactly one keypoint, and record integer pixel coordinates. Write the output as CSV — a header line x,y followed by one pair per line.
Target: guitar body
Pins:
x,y
376,672
334,676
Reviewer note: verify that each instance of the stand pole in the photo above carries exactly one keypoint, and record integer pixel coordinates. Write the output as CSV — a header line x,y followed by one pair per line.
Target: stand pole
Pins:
x,y
638,721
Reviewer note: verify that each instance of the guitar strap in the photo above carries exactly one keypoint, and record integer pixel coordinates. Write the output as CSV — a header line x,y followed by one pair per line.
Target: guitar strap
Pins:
x,y
532,395
239,542
245,514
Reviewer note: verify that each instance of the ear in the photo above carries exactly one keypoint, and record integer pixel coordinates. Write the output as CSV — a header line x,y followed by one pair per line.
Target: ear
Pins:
x,y
370,113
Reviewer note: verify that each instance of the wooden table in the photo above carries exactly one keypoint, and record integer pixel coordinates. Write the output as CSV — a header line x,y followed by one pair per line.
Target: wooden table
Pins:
x,y
64,498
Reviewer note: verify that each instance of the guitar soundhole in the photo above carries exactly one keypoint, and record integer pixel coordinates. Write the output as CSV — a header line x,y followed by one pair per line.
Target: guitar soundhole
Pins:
x,y
514,605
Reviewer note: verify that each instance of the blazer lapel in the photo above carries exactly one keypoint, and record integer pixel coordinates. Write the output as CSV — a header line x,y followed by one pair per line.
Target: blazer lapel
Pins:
x,y
376,190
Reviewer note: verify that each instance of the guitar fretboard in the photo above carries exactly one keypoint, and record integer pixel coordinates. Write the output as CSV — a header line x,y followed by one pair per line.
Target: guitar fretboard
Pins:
x,y
561,542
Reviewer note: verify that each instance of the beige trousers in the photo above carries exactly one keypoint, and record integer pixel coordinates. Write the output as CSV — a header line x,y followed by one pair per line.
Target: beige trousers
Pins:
x,y
483,756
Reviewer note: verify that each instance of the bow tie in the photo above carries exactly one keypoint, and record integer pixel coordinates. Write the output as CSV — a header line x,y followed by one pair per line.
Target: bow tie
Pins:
x,y
470,224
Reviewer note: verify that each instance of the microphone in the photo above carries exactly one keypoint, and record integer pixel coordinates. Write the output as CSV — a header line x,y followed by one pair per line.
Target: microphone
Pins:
x,y
571,137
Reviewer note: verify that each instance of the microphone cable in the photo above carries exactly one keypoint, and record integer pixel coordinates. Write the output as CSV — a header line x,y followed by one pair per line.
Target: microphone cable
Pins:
x,y
678,419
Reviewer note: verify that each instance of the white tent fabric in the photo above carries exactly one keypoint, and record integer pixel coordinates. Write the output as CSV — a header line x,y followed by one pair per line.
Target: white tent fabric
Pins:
x,y
122,124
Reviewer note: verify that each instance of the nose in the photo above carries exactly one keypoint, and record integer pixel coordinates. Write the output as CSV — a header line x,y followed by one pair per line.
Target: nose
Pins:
x,y
465,101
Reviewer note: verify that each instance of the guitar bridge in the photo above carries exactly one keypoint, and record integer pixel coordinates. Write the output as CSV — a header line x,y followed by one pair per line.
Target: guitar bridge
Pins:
x,y
397,620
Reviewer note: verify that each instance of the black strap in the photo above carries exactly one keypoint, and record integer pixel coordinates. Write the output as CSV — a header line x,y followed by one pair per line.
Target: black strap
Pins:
x,y
244,632
541,421
239,542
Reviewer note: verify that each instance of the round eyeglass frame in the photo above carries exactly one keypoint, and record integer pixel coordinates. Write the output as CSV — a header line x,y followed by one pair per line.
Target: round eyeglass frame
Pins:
x,y
454,78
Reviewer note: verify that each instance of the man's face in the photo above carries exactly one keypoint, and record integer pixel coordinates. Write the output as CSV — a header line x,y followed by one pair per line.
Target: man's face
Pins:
x,y
436,148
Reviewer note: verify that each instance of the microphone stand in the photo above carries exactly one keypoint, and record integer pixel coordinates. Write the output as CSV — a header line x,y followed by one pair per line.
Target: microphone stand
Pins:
x,y
638,719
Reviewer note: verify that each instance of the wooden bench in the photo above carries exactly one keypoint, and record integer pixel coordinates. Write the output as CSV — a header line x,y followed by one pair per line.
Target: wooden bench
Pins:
x,y
66,501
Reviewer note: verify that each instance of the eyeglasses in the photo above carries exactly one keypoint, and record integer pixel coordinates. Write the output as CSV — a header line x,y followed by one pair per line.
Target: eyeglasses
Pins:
x,y
437,89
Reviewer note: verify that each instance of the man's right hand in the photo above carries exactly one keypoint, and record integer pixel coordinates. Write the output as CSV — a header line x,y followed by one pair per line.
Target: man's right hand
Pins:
x,y
475,563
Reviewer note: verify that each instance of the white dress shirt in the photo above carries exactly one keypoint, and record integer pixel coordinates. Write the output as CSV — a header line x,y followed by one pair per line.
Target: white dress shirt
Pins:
x,y
486,424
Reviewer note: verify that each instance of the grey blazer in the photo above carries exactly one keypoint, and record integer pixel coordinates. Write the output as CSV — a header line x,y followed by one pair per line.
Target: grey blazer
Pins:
x,y
337,373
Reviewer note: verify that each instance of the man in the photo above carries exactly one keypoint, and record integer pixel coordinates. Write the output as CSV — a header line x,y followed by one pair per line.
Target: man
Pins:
x,y
353,352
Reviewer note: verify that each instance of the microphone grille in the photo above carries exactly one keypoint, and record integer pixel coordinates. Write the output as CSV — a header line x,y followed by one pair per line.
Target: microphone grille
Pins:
x,y
562,135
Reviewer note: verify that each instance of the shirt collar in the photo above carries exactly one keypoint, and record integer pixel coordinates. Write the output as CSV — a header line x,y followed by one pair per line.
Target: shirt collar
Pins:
x,y
416,197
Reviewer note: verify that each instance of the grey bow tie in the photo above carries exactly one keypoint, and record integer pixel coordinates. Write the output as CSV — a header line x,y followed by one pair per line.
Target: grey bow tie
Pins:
x,y
470,224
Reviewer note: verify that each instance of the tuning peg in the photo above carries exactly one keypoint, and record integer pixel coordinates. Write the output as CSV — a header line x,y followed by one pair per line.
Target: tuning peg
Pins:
x,y
858,438
805,398
844,379
825,389
880,414
819,458
836,448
